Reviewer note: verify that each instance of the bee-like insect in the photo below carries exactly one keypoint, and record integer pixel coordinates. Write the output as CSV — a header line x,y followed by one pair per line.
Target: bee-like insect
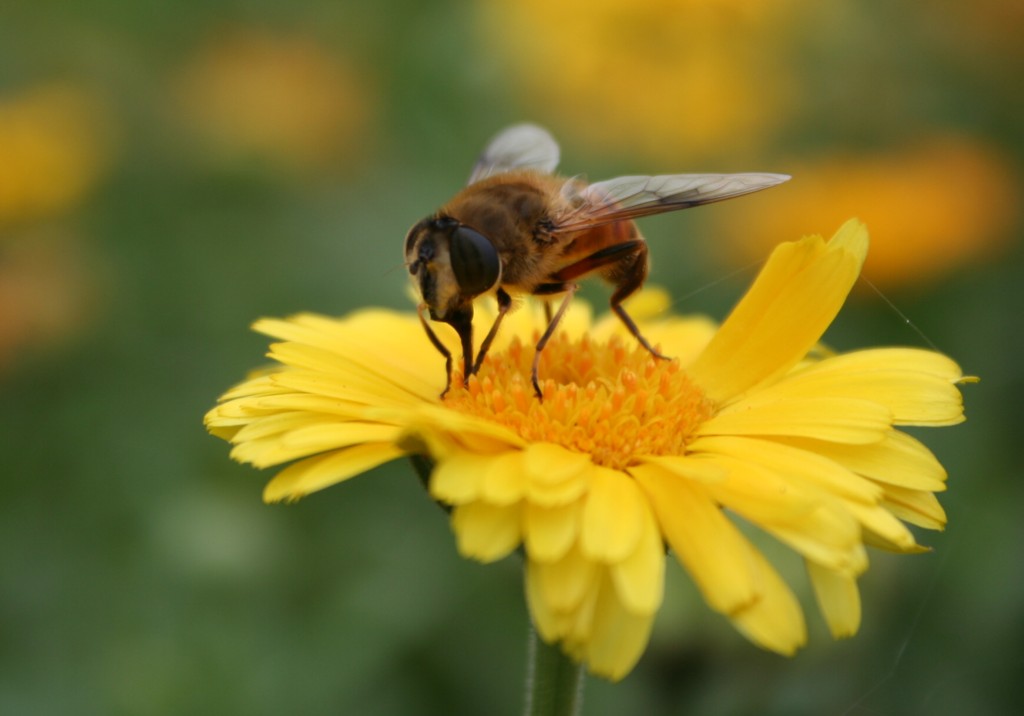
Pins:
x,y
519,229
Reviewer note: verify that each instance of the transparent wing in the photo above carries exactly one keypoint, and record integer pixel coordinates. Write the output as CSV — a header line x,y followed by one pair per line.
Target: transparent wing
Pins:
x,y
521,146
635,196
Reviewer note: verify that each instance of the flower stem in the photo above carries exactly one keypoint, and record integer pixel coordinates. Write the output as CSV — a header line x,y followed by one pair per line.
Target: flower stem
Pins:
x,y
554,682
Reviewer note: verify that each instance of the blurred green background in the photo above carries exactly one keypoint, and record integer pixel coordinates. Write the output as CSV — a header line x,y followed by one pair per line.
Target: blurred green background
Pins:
x,y
171,171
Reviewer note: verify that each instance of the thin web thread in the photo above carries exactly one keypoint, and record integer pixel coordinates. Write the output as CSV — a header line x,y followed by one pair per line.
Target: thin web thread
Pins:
x,y
915,622
904,317
912,628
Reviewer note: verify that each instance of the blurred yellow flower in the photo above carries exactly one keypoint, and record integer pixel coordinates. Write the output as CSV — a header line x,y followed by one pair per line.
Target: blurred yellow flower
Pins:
x,y
985,32
690,77
627,454
54,142
47,293
932,207
280,97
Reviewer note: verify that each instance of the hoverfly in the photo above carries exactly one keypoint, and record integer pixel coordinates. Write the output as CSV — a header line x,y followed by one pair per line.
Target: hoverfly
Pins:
x,y
519,229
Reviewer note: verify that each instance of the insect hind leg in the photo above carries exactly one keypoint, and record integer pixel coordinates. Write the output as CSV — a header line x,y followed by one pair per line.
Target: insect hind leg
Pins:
x,y
570,290
628,275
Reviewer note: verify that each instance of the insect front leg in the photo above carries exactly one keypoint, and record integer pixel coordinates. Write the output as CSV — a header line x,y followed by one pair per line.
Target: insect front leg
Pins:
x,y
442,349
504,304
461,319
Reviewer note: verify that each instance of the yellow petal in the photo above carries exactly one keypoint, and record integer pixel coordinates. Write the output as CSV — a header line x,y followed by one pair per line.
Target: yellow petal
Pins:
x,y
793,300
322,436
556,476
456,479
258,385
304,402
682,338
640,578
222,429
578,625
916,507
549,532
276,423
486,532
687,467
471,433
503,481
236,413
881,523
817,528
339,385
613,516
284,402
377,343
774,621
807,467
705,542
897,459
549,623
919,387
882,360
618,636
550,464
842,420
871,539
355,373
564,584
316,473
838,598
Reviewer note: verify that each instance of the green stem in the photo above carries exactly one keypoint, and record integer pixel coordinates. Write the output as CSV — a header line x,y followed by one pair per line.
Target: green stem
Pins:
x,y
554,682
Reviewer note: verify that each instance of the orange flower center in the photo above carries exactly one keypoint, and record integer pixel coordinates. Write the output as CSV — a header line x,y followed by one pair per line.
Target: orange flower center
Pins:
x,y
611,402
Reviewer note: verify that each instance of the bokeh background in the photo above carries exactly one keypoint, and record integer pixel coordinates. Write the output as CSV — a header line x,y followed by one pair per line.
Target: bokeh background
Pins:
x,y
170,171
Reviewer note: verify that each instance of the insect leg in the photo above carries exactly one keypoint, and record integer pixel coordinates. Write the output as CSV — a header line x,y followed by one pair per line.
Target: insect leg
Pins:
x,y
615,254
439,346
570,290
504,304
628,275
462,321
621,313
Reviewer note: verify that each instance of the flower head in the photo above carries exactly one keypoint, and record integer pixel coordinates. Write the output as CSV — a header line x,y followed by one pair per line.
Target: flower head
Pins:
x,y
933,207
54,140
626,454
643,66
274,96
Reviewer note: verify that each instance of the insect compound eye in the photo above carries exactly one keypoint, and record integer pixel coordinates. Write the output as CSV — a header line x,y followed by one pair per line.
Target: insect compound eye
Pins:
x,y
475,261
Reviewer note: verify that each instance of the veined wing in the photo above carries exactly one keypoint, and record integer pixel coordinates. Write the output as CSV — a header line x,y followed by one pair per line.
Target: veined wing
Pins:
x,y
631,197
521,146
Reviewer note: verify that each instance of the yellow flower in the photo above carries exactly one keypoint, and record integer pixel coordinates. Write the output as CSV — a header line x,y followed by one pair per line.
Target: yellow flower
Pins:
x,y
932,207
48,294
275,96
627,454
668,78
53,147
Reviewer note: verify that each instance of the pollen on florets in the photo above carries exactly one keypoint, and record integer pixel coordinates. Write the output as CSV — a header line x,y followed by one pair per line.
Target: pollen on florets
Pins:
x,y
611,401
